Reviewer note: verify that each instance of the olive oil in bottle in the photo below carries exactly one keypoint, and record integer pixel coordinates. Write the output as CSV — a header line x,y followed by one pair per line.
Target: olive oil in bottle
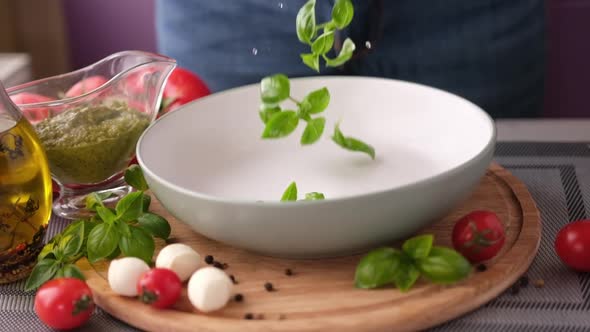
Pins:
x,y
25,197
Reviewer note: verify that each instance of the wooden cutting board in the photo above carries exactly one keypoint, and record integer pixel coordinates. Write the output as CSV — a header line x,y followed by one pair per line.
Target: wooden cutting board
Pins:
x,y
320,295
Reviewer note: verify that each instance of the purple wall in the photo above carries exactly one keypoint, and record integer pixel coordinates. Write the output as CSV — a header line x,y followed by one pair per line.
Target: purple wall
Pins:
x,y
97,28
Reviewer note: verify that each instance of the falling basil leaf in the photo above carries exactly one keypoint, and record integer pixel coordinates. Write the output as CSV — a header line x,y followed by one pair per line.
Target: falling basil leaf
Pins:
x,y
281,124
314,196
323,44
351,143
274,89
290,193
305,22
342,13
344,55
313,131
316,101
311,60
266,113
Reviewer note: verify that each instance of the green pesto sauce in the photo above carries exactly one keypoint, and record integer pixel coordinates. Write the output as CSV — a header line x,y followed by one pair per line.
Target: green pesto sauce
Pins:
x,y
92,143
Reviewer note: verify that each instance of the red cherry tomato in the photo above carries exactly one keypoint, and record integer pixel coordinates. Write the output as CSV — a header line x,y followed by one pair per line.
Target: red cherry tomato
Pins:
x,y
85,85
478,236
34,115
572,245
159,287
182,87
64,303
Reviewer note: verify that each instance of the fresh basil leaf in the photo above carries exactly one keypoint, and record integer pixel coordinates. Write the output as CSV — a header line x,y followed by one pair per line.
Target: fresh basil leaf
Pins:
x,y
155,224
275,88
290,194
130,207
314,196
311,60
316,101
140,244
351,143
114,254
444,266
72,271
323,44
342,13
43,271
344,55
147,201
266,113
71,243
281,124
302,113
106,214
406,274
96,199
419,246
102,241
122,228
47,251
134,177
305,22
377,268
313,131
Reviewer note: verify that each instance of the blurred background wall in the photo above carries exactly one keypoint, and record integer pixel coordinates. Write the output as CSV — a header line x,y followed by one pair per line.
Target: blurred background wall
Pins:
x,y
70,34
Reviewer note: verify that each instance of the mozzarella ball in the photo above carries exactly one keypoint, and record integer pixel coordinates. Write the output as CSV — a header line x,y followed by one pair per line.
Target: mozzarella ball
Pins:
x,y
209,289
180,258
124,273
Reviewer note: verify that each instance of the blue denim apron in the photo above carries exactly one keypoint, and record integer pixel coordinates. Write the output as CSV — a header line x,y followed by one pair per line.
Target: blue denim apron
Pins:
x,y
491,52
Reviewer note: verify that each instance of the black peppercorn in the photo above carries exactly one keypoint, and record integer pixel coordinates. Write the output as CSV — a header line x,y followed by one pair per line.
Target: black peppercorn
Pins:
x,y
515,289
249,316
233,279
523,281
238,297
209,259
218,265
481,267
288,272
268,287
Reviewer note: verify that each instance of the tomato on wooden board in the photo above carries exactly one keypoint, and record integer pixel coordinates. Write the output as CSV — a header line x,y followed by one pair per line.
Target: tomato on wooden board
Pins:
x,y
572,245
478,236
85,85
159,287
182,87
64,303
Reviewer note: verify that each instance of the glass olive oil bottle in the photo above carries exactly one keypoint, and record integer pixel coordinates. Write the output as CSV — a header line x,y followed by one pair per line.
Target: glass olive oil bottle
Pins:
x,y
25,193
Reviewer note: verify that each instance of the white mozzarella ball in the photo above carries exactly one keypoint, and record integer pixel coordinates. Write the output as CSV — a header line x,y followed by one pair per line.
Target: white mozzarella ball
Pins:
x,y
180,258
124,273
209,289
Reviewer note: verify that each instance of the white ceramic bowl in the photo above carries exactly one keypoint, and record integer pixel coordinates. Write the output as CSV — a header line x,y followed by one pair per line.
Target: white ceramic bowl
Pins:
x,y
209,167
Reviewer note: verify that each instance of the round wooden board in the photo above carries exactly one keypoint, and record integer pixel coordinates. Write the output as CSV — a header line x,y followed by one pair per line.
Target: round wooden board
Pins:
x,y
320,295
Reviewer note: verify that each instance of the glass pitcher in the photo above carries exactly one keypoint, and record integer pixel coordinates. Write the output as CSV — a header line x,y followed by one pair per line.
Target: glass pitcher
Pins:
x,y
25,193
89,121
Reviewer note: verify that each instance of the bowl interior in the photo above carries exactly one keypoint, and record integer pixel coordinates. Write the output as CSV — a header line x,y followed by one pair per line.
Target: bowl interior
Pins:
x,y
212,147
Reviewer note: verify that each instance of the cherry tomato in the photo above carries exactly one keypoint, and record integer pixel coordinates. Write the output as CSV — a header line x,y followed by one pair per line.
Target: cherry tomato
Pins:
x,y
64,303
34,115
85,85
159,287
478,236
572,245
182,87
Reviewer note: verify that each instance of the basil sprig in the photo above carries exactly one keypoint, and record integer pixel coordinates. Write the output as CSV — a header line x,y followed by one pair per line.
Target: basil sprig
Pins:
x,y
402,268
307,33
128,229
290,194
275,89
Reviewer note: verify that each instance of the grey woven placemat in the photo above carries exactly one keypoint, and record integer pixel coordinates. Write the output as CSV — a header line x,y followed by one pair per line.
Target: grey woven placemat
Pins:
x,y
558,177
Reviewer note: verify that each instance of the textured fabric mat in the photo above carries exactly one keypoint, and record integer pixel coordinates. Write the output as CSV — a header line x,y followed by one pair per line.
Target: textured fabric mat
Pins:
x,y
558,177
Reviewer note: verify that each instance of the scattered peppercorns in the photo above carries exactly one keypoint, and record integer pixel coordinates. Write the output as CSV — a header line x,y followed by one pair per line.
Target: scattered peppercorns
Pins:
x,y
209,259
218,265
233,279
249,316
481,267
539,283
515,289
269,287
523,281
288,272
225,265
238,297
